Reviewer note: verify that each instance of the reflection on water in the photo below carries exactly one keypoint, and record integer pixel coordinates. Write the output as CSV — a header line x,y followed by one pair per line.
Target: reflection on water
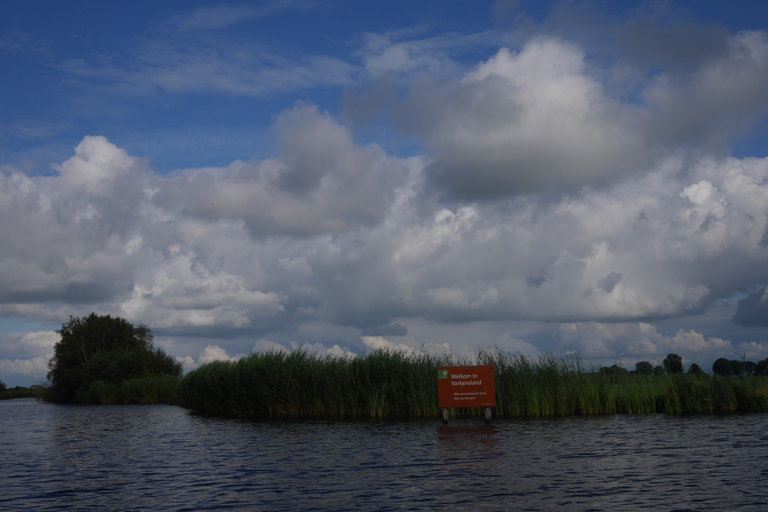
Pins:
x,y
162,458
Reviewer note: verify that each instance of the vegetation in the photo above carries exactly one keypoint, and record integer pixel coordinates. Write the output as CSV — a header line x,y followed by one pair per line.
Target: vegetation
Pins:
x,y
107,360
392,384
6,393
673,364
735,368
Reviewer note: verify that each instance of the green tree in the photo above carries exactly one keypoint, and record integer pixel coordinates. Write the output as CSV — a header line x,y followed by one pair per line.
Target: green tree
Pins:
x,y
106,349
737,367
722,367
673,363
614,370
644,368
3,387
694,369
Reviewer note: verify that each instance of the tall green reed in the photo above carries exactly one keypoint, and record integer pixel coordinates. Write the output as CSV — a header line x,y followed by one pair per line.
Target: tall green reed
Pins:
x,y
385,384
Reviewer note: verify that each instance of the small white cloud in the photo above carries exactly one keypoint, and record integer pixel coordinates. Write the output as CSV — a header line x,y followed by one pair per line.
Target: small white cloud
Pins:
x,y
213,353
379,343
97,165
187,363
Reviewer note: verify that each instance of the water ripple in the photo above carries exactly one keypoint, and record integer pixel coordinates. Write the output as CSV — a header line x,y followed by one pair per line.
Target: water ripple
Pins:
x,y
162,458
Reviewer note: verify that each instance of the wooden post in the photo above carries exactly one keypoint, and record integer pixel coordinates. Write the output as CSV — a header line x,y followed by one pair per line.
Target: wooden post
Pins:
x,y
445,416
487,415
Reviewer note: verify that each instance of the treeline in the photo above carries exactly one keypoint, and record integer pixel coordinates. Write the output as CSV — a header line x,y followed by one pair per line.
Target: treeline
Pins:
x,y
673,364
386,384
34,391
736,368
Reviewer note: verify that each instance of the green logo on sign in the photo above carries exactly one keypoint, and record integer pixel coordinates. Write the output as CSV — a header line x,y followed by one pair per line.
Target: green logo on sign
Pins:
x,y
442,374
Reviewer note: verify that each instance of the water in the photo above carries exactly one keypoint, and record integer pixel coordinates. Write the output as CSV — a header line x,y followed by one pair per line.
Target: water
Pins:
x,y
159,457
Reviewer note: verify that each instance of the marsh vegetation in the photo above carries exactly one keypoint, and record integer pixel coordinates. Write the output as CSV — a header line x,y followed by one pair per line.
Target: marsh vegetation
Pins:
x,y
385,384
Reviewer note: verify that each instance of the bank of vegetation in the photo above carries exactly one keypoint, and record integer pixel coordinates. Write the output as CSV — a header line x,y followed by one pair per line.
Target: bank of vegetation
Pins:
x,y
34,391
101,359
385,384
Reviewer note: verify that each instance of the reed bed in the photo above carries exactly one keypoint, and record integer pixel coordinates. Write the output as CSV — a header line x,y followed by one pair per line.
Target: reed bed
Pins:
x,y
387,384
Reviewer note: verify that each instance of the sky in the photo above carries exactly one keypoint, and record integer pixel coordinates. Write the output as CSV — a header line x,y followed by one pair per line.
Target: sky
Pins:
x,y
445,176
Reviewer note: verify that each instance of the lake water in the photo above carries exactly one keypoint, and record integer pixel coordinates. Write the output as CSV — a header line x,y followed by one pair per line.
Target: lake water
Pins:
x,y
157,457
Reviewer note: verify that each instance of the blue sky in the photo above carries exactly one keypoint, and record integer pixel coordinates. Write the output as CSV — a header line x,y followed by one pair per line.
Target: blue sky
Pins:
x,y
582,177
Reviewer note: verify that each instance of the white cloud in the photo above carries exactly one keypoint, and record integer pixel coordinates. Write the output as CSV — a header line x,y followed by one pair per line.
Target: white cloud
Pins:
x,y
97,166
524,122
34,367
635,341
213,353
322,183
187,363
40,342
185,293
543,188
379,343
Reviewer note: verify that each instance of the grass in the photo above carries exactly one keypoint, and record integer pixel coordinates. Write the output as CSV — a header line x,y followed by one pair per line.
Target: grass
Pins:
x,y
386,384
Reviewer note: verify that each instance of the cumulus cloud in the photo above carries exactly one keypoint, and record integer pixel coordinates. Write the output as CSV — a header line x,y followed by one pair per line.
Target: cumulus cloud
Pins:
x,y
657,245
634,341
524,122
184,293
545,118
214,353
36,366
379,343
322,182
542,193
98,166
27,353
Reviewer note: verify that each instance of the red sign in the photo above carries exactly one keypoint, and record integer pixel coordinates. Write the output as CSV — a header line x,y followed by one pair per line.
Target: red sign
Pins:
x,y
466,386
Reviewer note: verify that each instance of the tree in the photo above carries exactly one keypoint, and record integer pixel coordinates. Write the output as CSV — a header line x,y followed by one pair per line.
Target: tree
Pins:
x,y
659,370
722,367
694,369
3,387
761,368
644,368
614,370
737,367
103,348
673,363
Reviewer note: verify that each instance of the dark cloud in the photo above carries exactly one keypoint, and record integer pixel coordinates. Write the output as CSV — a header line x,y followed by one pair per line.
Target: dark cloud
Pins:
x,y
609,282
393,329
752,310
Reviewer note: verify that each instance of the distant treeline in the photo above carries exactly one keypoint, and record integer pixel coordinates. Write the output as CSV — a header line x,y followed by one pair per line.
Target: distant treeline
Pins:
x,y
385,384
673,363
6,393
